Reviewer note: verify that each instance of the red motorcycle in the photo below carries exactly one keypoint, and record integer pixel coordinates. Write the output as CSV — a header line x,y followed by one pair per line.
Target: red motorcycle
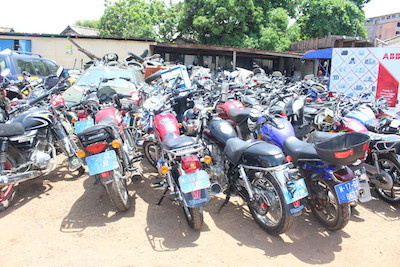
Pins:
x,y
179,159
107,144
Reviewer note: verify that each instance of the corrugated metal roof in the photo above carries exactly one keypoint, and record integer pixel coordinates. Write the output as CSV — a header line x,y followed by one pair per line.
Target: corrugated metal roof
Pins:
x,y
79,30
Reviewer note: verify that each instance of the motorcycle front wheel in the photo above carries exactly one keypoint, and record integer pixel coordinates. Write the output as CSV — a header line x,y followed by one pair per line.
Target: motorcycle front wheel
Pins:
x,y
274,219
391,165
118,192
7,192
326,207
194,217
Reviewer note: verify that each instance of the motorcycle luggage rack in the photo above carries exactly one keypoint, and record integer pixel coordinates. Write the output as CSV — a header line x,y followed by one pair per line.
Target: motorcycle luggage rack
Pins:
x,y
185,150
385,146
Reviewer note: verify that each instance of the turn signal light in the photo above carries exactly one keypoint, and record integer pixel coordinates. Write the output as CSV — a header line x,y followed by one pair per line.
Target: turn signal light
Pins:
x,y
116,144
163,169
289,158
81,153
180,125
207,159
74,120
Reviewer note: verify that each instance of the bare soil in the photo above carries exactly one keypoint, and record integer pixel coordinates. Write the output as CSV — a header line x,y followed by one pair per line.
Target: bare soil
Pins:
x,y
65,220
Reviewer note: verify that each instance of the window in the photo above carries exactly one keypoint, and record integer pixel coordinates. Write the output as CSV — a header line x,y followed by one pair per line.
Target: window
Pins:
x,y
398,24
397,33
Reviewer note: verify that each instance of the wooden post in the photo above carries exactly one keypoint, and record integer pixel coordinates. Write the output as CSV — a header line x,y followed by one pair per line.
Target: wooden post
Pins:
x,y
234,60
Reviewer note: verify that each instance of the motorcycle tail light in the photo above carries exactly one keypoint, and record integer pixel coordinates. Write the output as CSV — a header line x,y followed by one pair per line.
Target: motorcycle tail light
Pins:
x,y
97,147
344,175
190,164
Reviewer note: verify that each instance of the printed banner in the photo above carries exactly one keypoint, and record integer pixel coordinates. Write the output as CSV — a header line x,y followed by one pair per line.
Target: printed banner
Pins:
x,y
358,70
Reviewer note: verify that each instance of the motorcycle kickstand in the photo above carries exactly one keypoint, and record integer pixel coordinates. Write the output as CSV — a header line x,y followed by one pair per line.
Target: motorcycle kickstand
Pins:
x,y
223,204
163,196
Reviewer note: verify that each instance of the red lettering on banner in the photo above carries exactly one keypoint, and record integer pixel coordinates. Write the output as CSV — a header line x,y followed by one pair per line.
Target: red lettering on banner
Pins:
x,y
391,56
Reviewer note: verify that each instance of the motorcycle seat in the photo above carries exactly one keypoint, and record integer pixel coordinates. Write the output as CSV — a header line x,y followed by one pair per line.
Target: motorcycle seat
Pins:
x,y
235,147
174,141
318,136
375,124
238,115
299,150
11,129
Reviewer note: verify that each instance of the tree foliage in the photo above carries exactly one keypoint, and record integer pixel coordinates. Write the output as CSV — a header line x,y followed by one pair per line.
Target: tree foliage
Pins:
x,y
95,24
337,17
132,18
245,23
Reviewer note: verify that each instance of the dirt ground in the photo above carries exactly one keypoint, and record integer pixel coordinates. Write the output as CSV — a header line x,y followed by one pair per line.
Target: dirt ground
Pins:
x,y
64,220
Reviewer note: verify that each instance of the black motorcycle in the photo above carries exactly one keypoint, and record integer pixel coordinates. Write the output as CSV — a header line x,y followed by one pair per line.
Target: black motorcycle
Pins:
x,y
256,171
29,143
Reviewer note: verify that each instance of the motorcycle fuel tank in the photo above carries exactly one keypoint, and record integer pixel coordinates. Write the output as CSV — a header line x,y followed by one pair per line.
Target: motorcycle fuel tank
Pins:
x,y
166,123
111,113
220,131
34,118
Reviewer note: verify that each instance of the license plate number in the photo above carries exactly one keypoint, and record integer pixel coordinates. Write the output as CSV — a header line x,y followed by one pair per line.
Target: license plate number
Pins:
x,y
102,162
295,191
348,191
80,126
194,181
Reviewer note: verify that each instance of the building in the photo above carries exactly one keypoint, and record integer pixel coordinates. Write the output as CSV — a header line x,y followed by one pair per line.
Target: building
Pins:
x,y
383,27
80,31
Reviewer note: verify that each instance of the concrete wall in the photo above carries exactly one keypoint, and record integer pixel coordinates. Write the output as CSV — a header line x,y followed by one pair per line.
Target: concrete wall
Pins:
x,y
59,48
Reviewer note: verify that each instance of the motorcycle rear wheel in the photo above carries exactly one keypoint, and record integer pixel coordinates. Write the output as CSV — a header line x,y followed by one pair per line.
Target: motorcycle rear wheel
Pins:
x,y
391,165
118,192
329,212
194,217
273,219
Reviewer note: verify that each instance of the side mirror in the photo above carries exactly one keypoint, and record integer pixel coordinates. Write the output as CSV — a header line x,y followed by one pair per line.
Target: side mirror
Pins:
x,y
6,73
60,70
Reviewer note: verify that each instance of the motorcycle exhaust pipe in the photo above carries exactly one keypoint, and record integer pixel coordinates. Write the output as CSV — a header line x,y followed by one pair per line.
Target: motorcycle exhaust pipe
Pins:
x,y
18,178
381,180
215,188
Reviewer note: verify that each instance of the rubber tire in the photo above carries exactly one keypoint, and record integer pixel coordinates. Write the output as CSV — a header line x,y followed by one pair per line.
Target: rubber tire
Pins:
x,y
116,191
343,210
153,76
286,220
196,217
7,202
382,195
150,159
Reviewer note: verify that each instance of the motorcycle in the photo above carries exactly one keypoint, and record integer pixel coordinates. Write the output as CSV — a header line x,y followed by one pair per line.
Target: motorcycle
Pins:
x,y
256,171
330,183
106,143
27,140
180,160
382,165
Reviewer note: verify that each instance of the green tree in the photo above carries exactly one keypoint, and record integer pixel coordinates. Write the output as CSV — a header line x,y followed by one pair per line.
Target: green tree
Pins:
x,y
133,18
337,17
95,24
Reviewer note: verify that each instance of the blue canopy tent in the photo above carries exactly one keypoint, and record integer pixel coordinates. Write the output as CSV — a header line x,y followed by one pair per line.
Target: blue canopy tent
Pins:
x,y
320,54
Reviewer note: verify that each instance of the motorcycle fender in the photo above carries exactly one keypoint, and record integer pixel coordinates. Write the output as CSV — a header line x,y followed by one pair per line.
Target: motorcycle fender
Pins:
x,y
295,208
196,199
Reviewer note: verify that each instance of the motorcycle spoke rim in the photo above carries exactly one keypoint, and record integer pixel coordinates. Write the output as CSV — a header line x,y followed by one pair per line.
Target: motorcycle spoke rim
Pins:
x,y
269,215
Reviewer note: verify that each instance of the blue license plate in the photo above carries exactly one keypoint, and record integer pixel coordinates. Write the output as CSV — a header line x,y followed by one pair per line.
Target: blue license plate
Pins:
x,y
82,125
194,181
102,162
348,191
295,191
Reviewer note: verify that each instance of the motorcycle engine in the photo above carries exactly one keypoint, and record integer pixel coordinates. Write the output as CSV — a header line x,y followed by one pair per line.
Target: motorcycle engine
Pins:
x,y
40,159
216,171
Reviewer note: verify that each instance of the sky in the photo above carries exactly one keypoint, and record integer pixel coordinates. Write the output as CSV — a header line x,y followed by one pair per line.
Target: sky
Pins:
x,y
53,16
